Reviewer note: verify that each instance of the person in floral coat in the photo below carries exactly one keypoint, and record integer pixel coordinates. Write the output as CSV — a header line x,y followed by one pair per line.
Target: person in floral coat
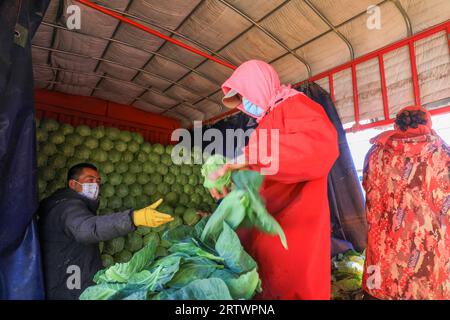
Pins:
x,y
406,178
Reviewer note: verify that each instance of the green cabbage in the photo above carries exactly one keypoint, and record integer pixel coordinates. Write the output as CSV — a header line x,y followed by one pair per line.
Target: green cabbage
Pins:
x,y
83,130
211,165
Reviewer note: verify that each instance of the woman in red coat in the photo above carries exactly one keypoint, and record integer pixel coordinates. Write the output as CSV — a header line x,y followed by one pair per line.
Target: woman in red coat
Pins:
x,y
295,184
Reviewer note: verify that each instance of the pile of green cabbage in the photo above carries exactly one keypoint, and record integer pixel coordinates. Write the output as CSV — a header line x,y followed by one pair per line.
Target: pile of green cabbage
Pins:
x,y
206,261
134,174
346,279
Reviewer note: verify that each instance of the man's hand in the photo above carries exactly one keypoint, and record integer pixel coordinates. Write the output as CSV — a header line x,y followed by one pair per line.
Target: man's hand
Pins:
x,y
203,214
150,217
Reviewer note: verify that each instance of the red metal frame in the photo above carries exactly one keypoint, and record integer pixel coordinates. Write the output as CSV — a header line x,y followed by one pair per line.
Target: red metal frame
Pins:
x,y
388,122
414,73
445,26
355,94
383,87
93,112
154,32
410,42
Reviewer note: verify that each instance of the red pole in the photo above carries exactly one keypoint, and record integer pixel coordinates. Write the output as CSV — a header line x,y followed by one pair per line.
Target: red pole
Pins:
x,y
154,32
424,34
415,76
383,87
355,95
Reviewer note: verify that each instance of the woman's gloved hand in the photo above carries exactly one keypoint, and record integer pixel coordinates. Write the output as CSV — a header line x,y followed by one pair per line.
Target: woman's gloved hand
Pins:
x,y
150,217
220,173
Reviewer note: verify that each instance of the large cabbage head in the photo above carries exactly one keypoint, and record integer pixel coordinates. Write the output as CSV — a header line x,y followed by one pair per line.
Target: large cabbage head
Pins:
x,y
114,246
98,132
211,165
49,125
133,242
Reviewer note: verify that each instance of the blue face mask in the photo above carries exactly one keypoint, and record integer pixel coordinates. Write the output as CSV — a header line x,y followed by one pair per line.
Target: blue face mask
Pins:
x,y
252,108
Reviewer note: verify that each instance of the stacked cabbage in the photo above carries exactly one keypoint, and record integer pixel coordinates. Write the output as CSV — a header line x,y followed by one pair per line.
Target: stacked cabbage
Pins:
x,y
134,174
347,271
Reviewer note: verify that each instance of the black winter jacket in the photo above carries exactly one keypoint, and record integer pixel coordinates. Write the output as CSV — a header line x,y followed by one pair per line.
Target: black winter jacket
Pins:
x,y
70,233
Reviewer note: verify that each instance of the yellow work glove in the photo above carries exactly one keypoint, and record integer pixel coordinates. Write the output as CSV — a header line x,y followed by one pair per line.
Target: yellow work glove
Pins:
x,y
149,217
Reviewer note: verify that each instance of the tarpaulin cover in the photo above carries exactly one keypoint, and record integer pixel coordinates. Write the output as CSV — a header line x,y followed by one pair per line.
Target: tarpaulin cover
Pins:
x,y
20,266
345,197
239,139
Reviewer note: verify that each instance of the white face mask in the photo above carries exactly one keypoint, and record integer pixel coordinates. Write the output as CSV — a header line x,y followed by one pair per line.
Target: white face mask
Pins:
x,y
90,190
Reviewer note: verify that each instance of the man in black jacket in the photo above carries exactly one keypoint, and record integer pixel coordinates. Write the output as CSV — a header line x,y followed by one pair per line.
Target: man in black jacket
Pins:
x,y
70,232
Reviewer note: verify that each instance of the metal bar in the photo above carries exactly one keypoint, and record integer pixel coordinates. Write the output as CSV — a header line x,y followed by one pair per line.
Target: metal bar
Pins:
x,y
159,26
101,89
106,49
331,85
332,27
372,125
382,123
135,47
415,76
124,66
118,80
49,60
269,34
155,33
386,49
355,95
146,89
445,26
383,87
235,38
171,34
405,17
327,32
448,35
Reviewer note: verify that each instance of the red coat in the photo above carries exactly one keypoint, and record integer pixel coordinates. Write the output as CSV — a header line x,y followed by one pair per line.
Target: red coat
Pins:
x,y
297,197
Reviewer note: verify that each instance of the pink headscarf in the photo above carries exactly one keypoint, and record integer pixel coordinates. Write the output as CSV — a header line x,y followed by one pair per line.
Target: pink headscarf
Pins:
x,y
259,83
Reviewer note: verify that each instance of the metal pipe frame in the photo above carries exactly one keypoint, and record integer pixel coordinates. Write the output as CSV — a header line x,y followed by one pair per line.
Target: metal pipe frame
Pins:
x,y
332,27
135,47
378,54
124,66
405,17
234,39
106,49
269,34
101,89
327,32
102,76
122,17
171,34
410,42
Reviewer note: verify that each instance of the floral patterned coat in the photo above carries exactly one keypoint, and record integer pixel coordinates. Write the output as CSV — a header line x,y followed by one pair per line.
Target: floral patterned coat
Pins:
x,y
408,206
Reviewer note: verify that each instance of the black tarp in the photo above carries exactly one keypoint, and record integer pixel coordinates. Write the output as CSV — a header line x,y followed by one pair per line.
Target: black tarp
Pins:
x,y
20,266
345,196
